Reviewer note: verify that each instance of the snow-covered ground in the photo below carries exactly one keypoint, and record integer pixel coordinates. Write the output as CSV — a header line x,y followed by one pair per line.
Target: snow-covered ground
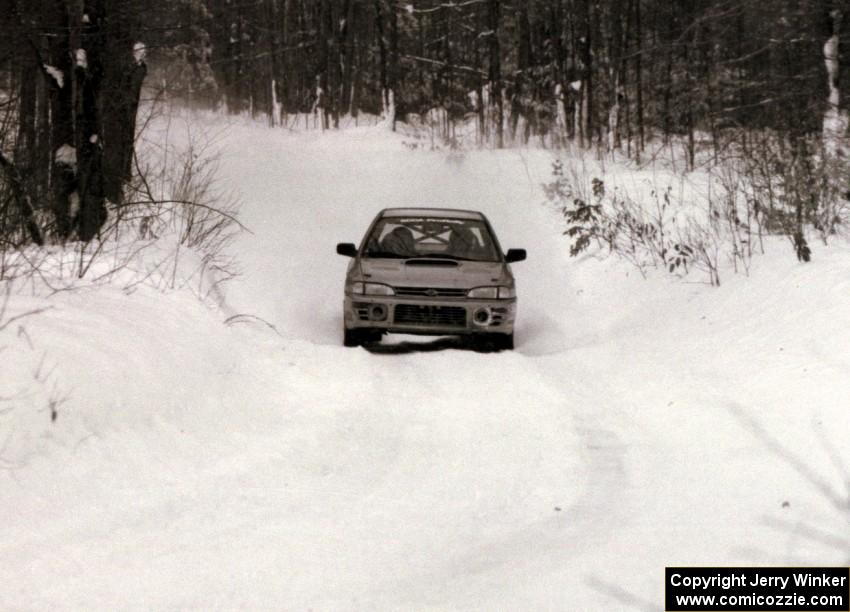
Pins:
x,y
639,424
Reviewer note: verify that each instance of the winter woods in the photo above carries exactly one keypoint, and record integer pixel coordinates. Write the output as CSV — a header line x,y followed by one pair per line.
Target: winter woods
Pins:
x,y
74,72
710,75
600,72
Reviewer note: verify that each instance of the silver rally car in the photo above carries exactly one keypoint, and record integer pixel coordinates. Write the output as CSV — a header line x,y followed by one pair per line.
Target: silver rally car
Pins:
x,y
430,271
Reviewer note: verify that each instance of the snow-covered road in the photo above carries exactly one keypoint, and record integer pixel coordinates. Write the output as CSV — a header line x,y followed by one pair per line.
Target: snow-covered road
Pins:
x,y
639,424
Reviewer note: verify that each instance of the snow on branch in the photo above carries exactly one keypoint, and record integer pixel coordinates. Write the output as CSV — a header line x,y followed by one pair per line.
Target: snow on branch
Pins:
x,y
140,52
67,155
55,74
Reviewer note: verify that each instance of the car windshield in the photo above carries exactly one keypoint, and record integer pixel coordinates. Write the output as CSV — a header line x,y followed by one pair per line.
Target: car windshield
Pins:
x,y
444,238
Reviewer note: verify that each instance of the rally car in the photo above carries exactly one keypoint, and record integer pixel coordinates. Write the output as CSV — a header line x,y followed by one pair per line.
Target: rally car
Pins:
x,y
430,271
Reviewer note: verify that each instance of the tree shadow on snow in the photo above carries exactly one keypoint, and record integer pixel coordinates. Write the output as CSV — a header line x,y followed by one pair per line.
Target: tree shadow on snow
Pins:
x,y
621,595
800,530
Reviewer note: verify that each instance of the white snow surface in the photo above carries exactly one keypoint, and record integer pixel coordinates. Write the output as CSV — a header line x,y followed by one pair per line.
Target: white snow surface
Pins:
x,y
639,423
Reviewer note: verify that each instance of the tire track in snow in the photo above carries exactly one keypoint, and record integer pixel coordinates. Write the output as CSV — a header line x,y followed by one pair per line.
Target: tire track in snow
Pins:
x,y
578,509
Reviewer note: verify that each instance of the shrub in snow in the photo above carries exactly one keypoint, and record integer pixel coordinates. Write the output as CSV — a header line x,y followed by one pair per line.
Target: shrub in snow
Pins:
x,y
797,185
764,183
172,230
177,203
659,232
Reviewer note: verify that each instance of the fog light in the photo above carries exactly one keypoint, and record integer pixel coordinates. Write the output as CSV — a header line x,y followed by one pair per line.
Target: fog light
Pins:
x,y
482,316
377,312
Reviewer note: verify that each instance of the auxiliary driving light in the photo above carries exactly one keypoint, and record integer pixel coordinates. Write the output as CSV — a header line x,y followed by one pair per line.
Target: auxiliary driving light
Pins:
x,y
482,316
377,312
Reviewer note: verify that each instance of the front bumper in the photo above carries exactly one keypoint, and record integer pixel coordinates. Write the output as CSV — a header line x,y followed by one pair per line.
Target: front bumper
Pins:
x,y
429,316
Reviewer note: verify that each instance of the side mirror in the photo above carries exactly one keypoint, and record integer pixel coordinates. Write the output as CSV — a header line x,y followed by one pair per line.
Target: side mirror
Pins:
x,y
515,255
347,249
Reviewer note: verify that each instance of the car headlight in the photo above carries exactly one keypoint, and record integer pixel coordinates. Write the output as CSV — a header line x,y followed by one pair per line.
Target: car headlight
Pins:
x,y
371,289
492,293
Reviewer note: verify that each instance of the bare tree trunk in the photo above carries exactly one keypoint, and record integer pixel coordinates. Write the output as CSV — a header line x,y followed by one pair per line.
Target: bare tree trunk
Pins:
x,y
334,92
689,106
25,142
668,85
121,89
587,67
495,72
387,95
322,93
347,37
522,83
624,72
559,76
274,84
833,125
63,180
639,77
393,75
89,72
356,86
615,74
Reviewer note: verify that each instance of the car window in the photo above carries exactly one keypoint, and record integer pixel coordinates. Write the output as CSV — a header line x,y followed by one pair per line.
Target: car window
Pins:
x,y
404,237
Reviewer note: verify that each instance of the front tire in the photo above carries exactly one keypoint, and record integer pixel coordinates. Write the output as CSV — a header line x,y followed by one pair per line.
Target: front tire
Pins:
x,y
503,342
496,342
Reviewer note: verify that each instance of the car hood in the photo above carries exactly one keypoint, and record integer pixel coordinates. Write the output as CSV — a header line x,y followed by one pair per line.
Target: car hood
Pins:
x,y
435,273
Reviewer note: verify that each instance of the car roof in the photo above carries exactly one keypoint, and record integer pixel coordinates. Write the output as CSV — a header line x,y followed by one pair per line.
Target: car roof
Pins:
x,y
452,213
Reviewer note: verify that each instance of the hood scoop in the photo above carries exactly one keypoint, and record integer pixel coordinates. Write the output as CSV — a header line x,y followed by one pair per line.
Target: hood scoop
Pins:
x,y
432,262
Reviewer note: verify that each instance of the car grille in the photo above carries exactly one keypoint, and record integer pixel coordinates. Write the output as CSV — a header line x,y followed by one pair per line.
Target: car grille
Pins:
x,y
411,314
430,292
